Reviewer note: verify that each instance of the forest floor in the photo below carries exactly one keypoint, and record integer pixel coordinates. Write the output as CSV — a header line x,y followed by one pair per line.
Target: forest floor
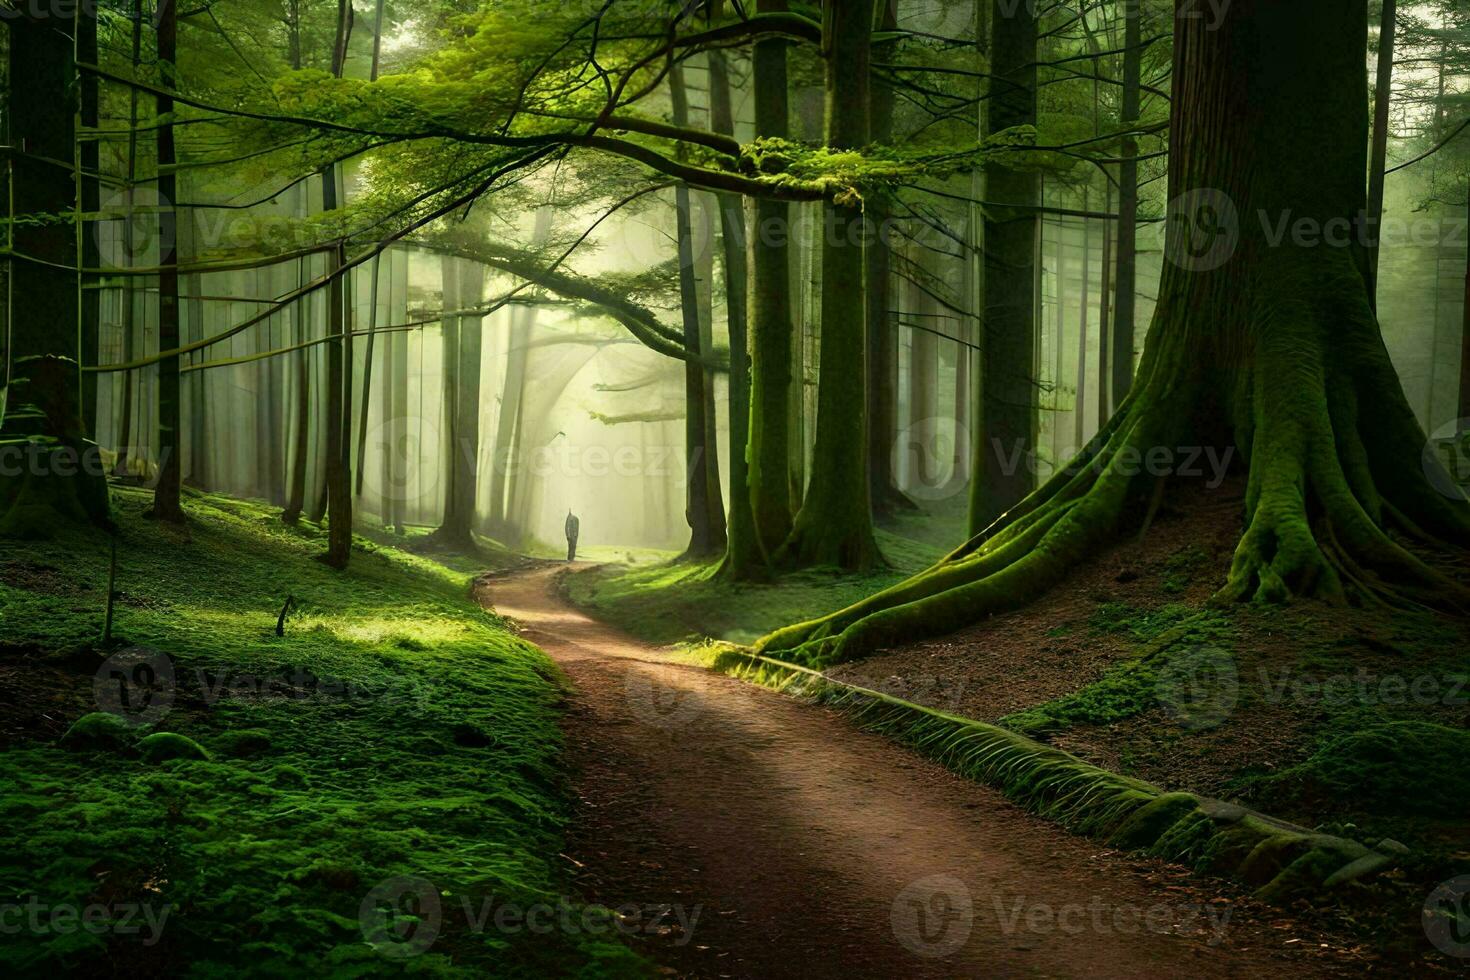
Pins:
x,y
388,769
1344,719
782,841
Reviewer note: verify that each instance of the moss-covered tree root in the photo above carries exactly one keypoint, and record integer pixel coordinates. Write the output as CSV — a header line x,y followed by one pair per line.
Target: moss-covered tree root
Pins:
x,y
1278,860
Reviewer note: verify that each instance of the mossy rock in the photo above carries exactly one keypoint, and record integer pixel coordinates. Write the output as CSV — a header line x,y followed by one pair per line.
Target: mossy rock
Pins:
x,y
244,743
1150,823
100,730
162,746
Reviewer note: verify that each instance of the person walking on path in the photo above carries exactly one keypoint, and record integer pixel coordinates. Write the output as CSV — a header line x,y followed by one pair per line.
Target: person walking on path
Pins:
x,y
574,526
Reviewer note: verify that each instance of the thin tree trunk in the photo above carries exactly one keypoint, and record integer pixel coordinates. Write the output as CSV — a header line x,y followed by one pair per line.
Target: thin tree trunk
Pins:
x,y
90,158
1126,287
367,363
704,538
743,558
1084,299
129,305
338,463
166,503
1378,158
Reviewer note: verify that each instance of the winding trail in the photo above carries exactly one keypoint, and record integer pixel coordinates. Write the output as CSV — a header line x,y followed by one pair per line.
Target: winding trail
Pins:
x,y
746,834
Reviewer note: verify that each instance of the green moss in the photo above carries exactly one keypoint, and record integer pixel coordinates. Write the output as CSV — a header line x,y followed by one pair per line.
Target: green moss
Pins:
x,y
319,788
675,601
162,746
1396,767
245,743
100,730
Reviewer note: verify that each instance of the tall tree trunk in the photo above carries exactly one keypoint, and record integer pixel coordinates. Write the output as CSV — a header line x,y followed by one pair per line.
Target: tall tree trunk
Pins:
x,y
1464,412
706,519
1267,348
1004,458
1104,312
743,557
771,325
1378,160
166,503
90,158
373,279
301,315
835,523
338,450
1125,306
41,413
882,324
129,298
464,289
1084,300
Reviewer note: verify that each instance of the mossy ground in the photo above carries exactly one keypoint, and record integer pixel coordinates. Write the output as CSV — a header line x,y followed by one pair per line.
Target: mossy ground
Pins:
x,y
395,730
670,601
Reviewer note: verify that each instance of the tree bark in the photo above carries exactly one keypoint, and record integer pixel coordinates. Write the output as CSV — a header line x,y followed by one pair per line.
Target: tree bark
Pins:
x,y
166,503
705,517
743,557
1378,160
60,478
835,524
1004,457
771,324
462,402
338,450
1125,306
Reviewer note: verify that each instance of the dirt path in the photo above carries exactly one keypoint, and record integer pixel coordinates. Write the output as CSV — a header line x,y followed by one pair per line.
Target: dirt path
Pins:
x,y
745,834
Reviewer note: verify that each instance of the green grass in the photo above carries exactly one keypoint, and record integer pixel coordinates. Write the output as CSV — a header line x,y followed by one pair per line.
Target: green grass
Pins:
x,y
676,601
394,731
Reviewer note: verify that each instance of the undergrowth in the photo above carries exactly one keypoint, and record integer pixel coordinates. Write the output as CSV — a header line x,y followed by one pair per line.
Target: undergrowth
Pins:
x,y
395,732
678,600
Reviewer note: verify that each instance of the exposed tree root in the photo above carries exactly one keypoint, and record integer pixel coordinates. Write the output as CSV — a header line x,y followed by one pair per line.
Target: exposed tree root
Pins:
x,y
1334,453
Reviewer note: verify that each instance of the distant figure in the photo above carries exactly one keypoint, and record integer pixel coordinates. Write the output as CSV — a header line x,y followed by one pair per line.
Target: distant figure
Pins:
x,y
573,527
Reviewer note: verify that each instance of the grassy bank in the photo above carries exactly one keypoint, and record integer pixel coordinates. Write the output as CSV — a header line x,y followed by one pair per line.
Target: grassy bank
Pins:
x,y
395,750
670,601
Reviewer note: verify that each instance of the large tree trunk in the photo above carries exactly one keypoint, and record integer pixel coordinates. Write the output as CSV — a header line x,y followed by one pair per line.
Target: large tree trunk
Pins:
x,y
52,472
835,523
771,325
166,504
1264,345
1004,458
